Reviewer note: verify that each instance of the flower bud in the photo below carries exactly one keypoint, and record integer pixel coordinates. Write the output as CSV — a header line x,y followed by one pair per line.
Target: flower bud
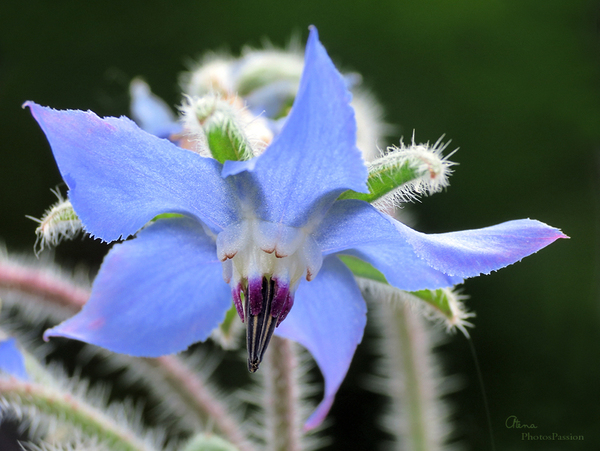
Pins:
x,y
223,129
59,222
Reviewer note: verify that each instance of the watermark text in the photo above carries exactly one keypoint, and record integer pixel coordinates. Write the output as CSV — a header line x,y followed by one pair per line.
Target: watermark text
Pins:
x,y
512,422
554,436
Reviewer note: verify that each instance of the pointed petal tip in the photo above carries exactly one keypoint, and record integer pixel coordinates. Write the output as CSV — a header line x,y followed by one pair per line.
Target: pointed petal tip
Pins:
x,y
329,332
559,234
49,333
469,253
319,415
58,331
34,108
546,231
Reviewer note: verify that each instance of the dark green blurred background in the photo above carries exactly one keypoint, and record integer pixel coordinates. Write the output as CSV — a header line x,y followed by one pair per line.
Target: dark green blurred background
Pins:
x,y
515,84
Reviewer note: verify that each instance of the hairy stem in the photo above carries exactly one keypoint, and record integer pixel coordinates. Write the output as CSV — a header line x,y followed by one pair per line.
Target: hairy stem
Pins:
x,y
418,415
198,397
73,411
42,284
187,384
412,357
282,397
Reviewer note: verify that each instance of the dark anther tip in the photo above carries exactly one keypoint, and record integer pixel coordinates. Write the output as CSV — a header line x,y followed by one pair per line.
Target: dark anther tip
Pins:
x,y
253,365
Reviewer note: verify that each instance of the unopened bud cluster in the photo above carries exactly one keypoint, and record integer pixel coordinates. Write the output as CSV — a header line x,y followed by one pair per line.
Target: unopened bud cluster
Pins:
x,y
265,83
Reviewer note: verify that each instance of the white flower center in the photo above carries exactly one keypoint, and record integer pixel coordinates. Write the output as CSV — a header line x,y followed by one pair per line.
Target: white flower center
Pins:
x,y
254,248
263,263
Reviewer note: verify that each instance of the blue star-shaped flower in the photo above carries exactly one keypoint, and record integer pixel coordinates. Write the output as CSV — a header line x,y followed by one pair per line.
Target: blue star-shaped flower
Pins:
x,y
266,231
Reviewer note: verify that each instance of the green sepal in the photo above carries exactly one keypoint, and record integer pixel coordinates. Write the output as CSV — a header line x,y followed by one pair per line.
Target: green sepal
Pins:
x,y
383,179
361,268
166,216
223,128
227,332
285,109
437,299
208,442
226,145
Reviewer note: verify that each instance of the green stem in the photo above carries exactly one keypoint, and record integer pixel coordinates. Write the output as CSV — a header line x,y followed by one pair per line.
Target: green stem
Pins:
x,y
195,393
413,388
74,411
419,420
282,397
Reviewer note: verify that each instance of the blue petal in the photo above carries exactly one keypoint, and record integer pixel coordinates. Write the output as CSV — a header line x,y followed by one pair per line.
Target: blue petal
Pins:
x,y
328,319
469,253
356,228
411,260
11,359
154,295
120,177
151,112
314,158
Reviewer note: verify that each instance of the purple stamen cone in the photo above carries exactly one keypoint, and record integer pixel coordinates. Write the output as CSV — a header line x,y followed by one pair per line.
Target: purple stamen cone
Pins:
x,y
282,292
289,302
255,296
260,327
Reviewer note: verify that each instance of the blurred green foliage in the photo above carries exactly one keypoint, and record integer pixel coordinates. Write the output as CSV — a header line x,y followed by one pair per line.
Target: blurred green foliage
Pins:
x,y
514,83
